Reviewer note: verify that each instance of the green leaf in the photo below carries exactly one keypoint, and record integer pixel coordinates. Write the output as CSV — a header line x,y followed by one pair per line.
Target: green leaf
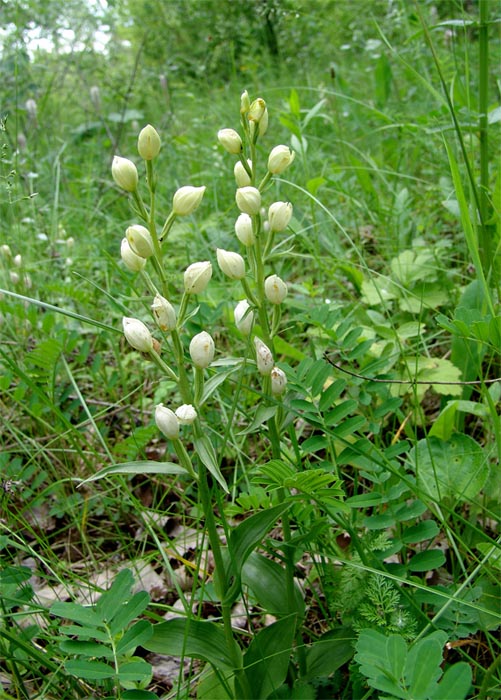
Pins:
x,y
139,695
425,530
274,473
396,654
427,561
422,668
337,414
409,511
454,468
330,652
134,672
142,467
246,536
212,685
89,670
208,457
77,613
135,636
212,384
129,611
455,683
267,659
85,648
193,638
372,655
331,394
86,633
268,583
445,424
348,427
365,500
112,600
262,415
15,575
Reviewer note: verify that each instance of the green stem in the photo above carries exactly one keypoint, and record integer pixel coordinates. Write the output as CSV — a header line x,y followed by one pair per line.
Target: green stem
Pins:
x,y
483,43
163,366
265,181
184,384
220,577
167,226
184,458
140,205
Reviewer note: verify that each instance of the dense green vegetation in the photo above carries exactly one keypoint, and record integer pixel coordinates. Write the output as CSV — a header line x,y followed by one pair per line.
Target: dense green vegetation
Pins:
x,y
323,523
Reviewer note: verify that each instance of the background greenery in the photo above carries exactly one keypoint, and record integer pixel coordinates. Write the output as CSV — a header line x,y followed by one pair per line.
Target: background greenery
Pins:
x,y
393,270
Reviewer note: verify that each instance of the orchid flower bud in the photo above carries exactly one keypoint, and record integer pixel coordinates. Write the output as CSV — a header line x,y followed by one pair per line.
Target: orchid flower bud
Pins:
x,y
244,230
230,140
244,318
257,110
242,177
186,414
244,102
197,276
164,313
137,334
248,200
278,381
275,289
17,260
139,239
232,264
187,199
202,350
279,159
124,173
279,215
167,422
263,123
6,251
148,143
264,357
131,260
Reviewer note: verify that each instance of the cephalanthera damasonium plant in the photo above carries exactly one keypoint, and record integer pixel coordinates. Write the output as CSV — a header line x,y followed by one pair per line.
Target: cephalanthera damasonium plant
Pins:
x,y
142,251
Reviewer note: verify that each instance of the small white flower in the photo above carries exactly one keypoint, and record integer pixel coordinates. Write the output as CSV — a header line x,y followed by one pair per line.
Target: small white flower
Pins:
x,y
197,276
164,313
244,230
202,350
131,260
137,334
242,177
167,422
124,173
257,110
186,414
278,381
140,241
264,357
230,140
279,159
275,289
279,215
187,199
148,143
244,318
248,200
232,264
